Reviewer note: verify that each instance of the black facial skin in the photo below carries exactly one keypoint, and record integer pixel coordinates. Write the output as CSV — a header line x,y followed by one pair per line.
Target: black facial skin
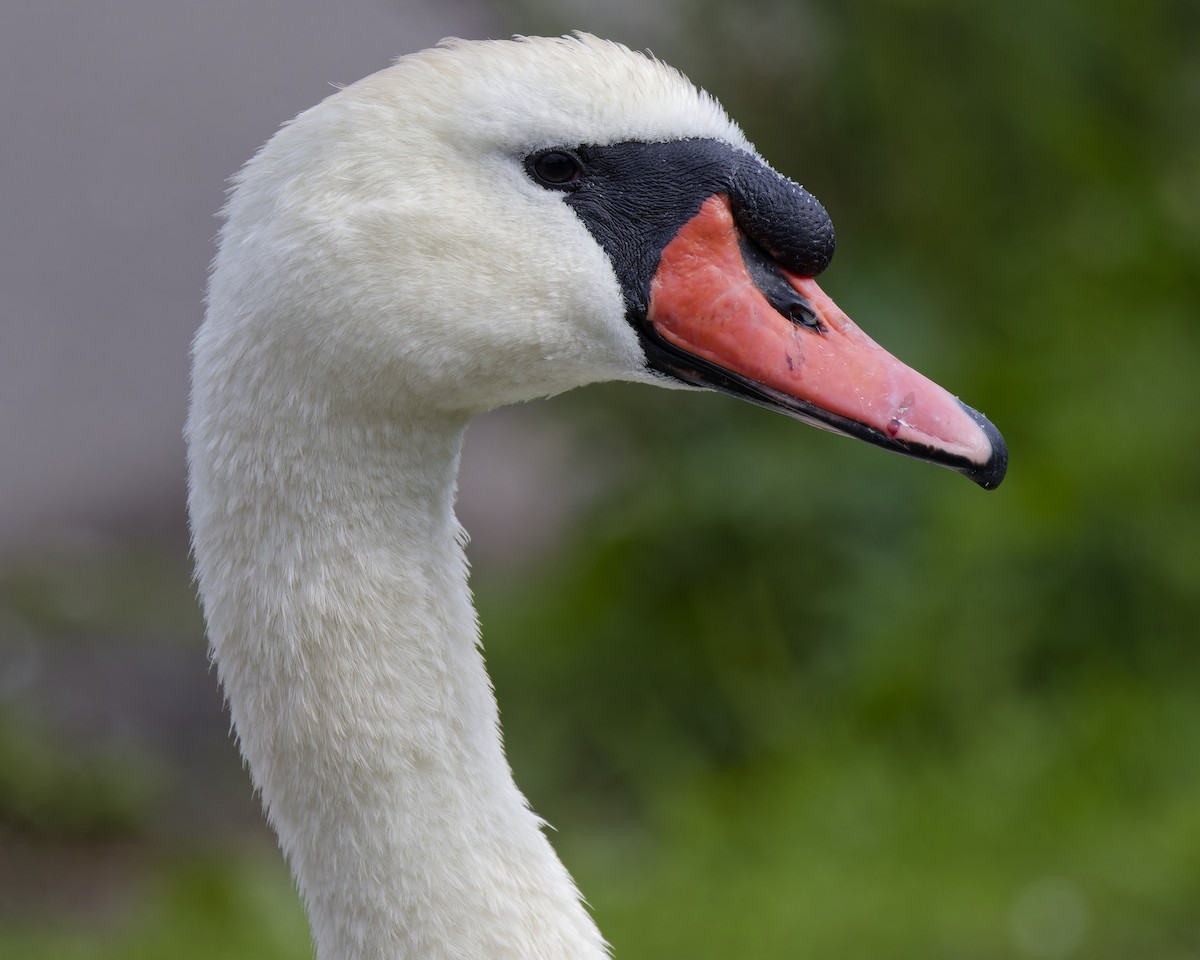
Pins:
x,y
635,197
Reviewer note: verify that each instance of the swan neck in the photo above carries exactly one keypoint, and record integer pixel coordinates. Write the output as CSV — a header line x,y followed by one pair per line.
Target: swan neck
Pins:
x,y
335,585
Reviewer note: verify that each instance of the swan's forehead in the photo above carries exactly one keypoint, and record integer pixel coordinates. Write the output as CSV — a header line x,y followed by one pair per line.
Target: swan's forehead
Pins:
x,y
524,94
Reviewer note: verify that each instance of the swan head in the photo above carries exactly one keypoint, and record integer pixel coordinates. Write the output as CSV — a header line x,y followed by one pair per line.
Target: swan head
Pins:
x,y
489,222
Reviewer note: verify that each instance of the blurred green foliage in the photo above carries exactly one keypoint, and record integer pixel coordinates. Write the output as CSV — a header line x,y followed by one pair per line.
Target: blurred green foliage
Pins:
x,y
854,706
788,696
51,789
234,905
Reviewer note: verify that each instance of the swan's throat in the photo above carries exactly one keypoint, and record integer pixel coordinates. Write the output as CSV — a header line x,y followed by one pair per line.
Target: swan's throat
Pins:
x,y
346,641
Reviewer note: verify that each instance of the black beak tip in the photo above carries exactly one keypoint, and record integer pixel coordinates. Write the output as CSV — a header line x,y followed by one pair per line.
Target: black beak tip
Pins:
x,y
988,475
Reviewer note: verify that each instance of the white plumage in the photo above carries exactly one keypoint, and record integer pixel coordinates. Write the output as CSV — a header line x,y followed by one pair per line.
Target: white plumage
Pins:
x,y
377,283
388,268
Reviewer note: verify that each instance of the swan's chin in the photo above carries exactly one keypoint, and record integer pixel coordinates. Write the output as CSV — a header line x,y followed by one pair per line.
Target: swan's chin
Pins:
x,y
725,316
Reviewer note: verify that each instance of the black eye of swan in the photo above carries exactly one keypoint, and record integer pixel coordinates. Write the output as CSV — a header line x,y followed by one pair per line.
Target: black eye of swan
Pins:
x,y
555,168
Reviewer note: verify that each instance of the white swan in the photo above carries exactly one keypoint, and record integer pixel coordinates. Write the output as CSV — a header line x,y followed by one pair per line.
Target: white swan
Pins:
x,y
480,224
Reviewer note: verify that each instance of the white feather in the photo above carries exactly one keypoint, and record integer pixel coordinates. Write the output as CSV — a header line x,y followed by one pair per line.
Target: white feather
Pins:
x,y
386,269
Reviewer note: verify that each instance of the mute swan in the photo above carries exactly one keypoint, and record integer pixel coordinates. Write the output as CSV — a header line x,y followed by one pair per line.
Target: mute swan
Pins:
x,y
479,224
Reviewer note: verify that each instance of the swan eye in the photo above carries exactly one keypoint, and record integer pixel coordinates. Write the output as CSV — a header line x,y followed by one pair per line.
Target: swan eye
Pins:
x,y
555,168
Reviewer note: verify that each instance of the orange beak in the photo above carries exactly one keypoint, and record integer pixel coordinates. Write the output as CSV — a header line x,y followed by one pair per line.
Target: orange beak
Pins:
x,y
729,317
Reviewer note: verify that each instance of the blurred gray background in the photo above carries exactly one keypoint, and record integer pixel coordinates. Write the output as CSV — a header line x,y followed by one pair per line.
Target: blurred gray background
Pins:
x,y
123,119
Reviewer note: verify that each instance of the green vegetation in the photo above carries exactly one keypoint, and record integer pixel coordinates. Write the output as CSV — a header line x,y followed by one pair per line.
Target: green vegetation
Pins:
x,y
788,696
